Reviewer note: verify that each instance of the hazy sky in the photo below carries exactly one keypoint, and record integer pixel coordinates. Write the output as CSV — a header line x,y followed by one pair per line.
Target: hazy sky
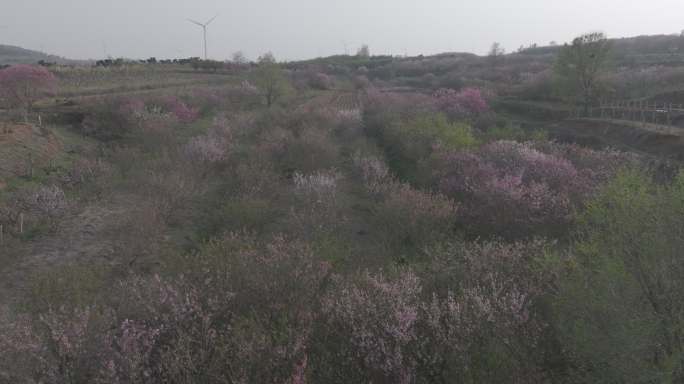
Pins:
x,y
295,29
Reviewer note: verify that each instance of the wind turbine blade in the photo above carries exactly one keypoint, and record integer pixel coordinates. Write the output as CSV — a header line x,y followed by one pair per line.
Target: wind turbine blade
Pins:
x,y
212,19
195,22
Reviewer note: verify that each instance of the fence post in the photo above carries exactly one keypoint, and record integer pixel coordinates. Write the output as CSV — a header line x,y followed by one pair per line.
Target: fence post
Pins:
x,y
30,164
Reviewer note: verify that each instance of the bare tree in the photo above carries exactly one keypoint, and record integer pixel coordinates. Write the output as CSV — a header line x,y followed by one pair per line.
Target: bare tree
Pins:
x,y
364,51
239,58
496,52
579,66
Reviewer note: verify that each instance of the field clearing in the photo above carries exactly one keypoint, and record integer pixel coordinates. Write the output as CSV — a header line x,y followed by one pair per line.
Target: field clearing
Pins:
x,y
80,81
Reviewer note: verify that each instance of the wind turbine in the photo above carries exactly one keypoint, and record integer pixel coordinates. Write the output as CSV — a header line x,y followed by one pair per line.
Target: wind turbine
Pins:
x,y
204,29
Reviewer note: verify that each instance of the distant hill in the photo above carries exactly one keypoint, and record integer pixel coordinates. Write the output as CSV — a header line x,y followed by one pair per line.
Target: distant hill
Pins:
x,y
16,55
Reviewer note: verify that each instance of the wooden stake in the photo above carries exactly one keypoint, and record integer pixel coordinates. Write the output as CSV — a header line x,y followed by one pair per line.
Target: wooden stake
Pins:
x,y
30,163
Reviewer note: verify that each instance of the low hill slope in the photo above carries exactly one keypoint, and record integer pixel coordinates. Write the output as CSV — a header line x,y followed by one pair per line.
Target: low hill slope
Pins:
x,y
16,55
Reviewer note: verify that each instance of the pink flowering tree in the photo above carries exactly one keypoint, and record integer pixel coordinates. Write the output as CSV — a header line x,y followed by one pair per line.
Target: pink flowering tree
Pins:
x,y
22,85
468,102
514,189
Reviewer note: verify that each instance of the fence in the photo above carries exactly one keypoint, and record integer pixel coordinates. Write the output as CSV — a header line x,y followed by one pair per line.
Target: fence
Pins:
x,y
640,111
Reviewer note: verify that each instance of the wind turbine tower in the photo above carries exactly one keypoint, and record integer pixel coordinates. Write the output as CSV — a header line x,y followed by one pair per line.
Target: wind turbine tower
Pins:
x,y
204,29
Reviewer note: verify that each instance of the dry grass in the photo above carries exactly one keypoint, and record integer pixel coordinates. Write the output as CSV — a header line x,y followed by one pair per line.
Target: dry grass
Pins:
x,y
21,144
84,81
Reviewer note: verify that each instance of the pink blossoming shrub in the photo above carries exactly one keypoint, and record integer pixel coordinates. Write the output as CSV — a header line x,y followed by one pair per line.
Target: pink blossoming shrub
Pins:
x,y
60,346
474,316
40,207
46,201
206,149
207,100
320,186
373,170
468,102
484,322
316,208
514,190
370,328
113,118
598,166
274,288
110,119
321,81
84,171
410,219
212,147
249,310
243,311
307,150
407,218
383,106
177,107
409,145
21,349
22,85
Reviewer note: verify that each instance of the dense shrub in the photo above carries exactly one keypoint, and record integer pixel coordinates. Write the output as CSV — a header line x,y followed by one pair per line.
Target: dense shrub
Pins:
x,y
243,312
307,152
115,118
321,81
316,206
175,106
485,320
620,306
374,172
84,171
410,143
474,317
112,119
35,207
370,329
514,190
466,103
212,147
407,219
